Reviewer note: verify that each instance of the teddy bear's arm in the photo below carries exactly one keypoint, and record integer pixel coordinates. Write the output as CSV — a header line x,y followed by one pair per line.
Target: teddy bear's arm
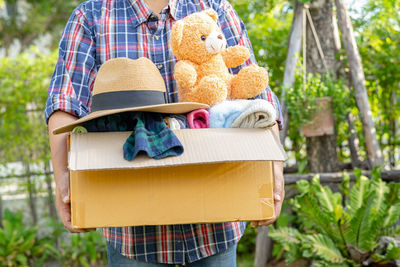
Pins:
x,y
185,74
235,55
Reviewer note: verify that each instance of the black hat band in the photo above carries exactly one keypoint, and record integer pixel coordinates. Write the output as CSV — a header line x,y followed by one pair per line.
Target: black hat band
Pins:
x,y
127,99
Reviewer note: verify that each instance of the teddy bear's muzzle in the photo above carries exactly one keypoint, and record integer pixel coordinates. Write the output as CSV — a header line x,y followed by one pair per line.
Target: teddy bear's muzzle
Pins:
x,y
215,42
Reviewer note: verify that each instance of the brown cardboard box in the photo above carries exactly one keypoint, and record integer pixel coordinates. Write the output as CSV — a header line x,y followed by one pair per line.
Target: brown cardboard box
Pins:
x,y
223,175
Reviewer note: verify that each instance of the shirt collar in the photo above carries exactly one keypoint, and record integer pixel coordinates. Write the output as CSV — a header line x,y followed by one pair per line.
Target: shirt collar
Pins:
x,y
174,6
140,12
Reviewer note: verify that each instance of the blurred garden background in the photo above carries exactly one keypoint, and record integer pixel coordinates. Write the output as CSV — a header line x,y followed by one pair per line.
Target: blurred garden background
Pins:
x,y
347,215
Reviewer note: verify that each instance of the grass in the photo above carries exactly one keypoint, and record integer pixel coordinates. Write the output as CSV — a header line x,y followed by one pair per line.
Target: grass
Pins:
x,y
245,261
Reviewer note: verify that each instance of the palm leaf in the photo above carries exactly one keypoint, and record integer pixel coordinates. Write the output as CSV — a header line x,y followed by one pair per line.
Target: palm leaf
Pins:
x,y
393,201
328,201
303,186
321,263
292,254
313,217
378,191
284,235
375,210
345,184
393,214
393,231
393,252
289,238
394,194
358,194
349,227
324,248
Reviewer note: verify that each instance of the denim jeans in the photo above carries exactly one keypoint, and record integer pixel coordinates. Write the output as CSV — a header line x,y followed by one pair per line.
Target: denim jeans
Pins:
x,y
223,259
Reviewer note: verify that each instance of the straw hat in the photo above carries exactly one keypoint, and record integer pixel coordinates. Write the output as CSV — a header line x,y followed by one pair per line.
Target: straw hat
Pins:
x,y
125,84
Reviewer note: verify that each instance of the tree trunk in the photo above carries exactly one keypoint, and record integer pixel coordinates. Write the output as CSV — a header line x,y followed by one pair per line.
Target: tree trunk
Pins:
x,y
354,145
321,150
263,247
291,62
31,193
358,78
50,194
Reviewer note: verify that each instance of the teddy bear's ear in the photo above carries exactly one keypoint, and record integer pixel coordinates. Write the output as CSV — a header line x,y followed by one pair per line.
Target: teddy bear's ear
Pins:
x,y
211,12
177,32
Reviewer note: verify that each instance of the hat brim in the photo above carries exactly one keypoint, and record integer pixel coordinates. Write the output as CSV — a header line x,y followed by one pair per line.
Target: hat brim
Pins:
x,y
173,108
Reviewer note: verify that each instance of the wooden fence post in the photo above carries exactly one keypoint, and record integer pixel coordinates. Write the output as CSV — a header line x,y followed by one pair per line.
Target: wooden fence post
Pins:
x,y
358,79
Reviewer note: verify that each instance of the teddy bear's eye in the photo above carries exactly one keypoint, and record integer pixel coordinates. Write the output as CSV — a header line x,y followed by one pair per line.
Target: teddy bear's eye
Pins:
x,y
203,38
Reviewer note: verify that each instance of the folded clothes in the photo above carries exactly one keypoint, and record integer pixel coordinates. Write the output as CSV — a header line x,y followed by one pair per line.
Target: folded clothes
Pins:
x,y
223,114
198,119
150,133
259,113
172,123
152,136
176,121
241,113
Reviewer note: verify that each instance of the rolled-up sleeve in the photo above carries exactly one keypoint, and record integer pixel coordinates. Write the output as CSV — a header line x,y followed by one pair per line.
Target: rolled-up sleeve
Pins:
x,y
72,82
236,34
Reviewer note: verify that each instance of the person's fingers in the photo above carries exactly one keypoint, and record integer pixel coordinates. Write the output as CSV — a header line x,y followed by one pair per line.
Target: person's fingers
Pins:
x,y
62,187
64,210
279,195
278,201
278,206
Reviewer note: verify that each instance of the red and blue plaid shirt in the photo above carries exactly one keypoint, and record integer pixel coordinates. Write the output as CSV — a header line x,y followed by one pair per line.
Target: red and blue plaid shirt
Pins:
x,y
101,30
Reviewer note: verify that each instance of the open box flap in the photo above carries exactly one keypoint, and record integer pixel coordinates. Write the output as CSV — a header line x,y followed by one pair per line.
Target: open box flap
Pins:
x,y
100,151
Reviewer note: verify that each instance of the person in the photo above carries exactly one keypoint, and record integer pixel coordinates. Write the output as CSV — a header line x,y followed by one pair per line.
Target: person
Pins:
x,y
101,30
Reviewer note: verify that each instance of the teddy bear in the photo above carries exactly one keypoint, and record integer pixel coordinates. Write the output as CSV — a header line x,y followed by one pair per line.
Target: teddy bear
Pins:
x,y
202,73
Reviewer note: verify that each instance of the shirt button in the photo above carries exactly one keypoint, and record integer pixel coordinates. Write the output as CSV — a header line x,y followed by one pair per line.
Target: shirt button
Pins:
x,y
160,67
157,37
153,16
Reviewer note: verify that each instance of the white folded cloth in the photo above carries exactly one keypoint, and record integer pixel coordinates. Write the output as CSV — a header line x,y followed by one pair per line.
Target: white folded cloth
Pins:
x,y
258,113
241,113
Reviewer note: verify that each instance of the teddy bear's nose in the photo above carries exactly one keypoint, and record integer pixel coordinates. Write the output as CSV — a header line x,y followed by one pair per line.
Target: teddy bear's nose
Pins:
x,y
220,36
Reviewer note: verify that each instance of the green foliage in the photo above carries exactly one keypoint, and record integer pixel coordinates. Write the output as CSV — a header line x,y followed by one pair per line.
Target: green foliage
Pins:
x,y
301,104
300,99
347,234
289,240
24,81
318,245
247,243
378,39
19,244
27,20
268,25
86,250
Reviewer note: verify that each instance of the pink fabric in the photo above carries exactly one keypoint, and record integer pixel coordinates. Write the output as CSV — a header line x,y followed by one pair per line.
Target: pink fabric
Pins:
x,y
198,119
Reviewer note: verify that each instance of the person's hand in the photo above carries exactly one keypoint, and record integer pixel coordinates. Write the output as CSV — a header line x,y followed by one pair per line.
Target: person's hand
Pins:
x,y
59,156
279,194
63,204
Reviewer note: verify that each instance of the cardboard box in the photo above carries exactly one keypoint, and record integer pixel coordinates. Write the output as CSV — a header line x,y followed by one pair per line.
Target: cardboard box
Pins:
x,y
223,175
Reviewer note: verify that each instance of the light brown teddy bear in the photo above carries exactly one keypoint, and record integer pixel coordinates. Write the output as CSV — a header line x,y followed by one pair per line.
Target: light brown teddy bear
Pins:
x,y
202,71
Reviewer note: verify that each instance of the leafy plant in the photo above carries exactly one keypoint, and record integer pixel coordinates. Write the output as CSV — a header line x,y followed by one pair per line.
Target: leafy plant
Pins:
x,y
19,244
343,229
300,99
247,243
86,250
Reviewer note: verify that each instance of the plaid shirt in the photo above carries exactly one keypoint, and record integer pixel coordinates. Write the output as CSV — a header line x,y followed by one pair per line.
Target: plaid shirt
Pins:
x,y
101,30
